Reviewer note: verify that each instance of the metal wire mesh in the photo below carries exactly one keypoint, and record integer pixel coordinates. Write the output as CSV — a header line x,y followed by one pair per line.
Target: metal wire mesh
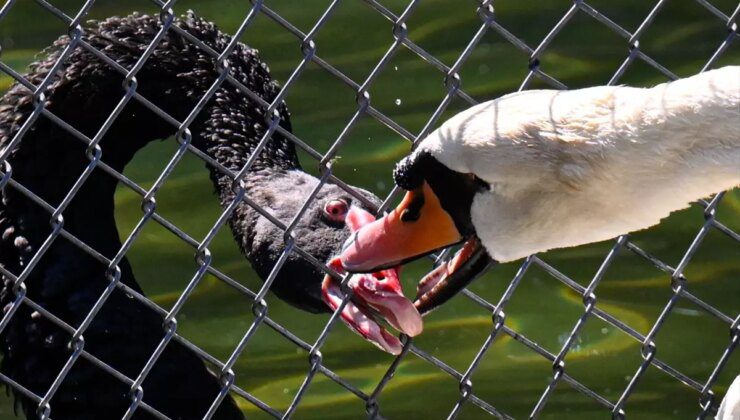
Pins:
x,y
397,35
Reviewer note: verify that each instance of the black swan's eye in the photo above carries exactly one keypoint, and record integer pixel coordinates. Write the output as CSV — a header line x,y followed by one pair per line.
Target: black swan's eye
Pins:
x,y
336,210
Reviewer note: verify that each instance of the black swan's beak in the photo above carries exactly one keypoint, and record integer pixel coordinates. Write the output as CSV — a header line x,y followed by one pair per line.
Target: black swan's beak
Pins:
x,y
375,296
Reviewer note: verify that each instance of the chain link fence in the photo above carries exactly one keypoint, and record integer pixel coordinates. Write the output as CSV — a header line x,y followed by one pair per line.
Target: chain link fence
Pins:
x,y
398,39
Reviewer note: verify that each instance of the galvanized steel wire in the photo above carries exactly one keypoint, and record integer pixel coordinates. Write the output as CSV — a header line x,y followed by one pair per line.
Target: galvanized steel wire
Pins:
x,y
450,75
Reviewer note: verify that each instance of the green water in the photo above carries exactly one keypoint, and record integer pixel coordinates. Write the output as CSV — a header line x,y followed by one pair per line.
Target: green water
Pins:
x,y
510,376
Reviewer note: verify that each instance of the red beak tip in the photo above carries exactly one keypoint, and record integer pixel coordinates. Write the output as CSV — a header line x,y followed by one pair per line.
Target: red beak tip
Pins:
x,y
415,331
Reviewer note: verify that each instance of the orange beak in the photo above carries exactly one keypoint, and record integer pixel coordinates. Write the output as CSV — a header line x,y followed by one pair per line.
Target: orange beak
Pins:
x,y
418,226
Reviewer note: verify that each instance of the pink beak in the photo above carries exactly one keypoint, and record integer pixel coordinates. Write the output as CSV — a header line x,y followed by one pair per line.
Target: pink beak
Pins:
x,y
375,295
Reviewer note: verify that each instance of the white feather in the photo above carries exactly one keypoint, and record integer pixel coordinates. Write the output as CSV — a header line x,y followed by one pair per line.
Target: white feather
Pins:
x,y
572,167
729,409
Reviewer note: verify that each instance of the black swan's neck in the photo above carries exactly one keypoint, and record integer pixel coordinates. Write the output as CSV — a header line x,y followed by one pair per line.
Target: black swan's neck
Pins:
x,y
49,160
175,78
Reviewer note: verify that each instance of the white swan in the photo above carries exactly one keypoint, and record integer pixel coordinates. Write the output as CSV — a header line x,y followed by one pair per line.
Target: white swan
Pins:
x,y
729,409
544,169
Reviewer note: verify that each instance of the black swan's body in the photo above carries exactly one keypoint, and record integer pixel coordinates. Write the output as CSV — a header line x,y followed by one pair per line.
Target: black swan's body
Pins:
x,y
67,281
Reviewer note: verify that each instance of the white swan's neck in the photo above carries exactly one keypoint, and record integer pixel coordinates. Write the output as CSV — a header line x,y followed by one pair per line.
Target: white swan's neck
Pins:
x,y
574,167
680,141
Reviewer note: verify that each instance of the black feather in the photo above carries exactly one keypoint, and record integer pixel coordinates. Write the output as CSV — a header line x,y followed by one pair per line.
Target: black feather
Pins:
x,y
67,281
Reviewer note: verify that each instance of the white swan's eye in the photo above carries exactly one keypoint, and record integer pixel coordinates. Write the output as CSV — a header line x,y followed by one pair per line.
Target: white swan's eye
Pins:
x,y
336,210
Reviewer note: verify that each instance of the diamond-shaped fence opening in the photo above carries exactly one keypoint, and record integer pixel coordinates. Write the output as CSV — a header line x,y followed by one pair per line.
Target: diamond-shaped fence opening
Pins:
x,y
467,69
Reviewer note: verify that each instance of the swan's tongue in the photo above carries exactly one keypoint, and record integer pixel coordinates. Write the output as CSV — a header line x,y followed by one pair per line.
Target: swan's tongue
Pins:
x,y
382,293
376,295
359,317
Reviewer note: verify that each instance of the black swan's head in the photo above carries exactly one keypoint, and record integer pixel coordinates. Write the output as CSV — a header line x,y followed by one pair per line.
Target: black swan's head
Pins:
x,y
321,231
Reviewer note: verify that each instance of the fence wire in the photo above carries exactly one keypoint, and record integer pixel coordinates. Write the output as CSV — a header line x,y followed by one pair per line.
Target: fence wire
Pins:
x,y
450,74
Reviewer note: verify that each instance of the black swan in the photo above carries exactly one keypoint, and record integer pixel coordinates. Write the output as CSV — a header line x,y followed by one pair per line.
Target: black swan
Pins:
x,y
67,281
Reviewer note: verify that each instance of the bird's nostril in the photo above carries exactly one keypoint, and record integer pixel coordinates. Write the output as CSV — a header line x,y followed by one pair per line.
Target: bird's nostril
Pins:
x,y
336,210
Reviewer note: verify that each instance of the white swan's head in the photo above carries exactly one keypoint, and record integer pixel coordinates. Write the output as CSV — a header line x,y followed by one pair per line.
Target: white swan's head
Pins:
x,y
434,214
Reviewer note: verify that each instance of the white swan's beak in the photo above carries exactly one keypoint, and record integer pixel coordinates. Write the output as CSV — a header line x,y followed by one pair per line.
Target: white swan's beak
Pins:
x,y
451,277
418,226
